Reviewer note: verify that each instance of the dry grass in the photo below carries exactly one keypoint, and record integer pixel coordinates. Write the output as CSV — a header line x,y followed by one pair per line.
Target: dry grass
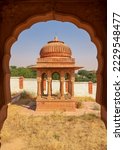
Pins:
x,y
85,99
53,132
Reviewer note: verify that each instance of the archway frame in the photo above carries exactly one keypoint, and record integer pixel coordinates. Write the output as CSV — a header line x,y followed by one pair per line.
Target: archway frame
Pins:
x,y
52,15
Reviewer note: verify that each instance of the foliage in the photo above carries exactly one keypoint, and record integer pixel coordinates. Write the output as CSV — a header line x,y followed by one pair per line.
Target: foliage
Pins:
x,y
21,71
86,76
79,104
55,76
81,76
26,94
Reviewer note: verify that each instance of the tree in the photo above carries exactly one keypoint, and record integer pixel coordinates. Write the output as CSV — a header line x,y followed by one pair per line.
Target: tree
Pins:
x,y
55,76
83,72
21,71
13,67
86,76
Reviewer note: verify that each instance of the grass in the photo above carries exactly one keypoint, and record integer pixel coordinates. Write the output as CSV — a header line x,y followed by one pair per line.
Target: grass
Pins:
x,y
85,99
53,132
96,107
79,101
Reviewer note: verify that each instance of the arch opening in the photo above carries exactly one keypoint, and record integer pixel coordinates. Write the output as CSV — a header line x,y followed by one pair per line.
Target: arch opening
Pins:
x,y
55,84
44,84
47,17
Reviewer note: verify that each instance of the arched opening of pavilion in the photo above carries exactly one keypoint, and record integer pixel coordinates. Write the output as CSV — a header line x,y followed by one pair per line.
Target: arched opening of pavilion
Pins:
x,y
44,85
67,81
67,86
55,84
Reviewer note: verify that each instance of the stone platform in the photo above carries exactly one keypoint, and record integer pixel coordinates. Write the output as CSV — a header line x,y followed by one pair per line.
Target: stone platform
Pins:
x,y
59,105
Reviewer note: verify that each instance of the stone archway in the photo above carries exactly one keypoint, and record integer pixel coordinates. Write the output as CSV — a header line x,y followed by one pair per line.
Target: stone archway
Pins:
x,y
47,17
59,17
44,85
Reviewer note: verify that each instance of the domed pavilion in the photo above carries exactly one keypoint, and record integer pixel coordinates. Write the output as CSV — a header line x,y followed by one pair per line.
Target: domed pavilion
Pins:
x,y
55,57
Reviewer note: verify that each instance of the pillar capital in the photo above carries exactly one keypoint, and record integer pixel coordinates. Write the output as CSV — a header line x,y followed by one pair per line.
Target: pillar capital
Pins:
x,y
62,79
38,73
49,74
39,79
49,79
72,79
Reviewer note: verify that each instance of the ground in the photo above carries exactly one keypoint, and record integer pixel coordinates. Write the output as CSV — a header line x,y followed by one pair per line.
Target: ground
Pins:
x,y
26,129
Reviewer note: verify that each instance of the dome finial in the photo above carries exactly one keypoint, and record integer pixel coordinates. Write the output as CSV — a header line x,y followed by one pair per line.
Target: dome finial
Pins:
x,y
56,38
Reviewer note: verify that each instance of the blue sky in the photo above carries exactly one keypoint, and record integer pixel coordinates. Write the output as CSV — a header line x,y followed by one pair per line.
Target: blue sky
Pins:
x,y
25,50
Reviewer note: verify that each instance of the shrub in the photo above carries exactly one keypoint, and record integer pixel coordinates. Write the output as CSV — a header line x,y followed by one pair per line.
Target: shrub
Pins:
x,y
67,96
95,107
86,99
79,104
26,94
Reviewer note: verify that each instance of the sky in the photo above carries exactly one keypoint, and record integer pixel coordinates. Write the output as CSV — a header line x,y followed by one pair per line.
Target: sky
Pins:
x,y
25,51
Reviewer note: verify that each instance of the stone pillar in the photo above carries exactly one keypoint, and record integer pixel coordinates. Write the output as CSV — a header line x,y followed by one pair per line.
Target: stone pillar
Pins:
x,y
66,86
44,85
69,87
72,86
39,90
49,87
90,87
62,86
72,89
21,79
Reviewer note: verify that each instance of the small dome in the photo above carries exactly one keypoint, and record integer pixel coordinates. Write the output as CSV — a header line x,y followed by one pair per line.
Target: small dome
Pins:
x,y
55,48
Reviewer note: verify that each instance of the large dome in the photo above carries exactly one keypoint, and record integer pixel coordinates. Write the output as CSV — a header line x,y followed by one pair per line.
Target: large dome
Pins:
x,y
55,48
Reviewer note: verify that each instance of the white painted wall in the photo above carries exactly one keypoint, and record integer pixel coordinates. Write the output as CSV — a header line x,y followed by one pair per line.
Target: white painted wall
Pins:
x,y
30,85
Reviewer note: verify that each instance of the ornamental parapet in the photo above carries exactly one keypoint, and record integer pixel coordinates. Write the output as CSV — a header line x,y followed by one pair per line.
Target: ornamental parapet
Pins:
x,y
48,59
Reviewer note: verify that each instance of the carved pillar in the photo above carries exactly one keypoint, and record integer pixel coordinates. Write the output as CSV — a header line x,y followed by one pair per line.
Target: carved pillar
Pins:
x,y
44,84
72,85
49,86
90,87
62,85
39,84
67,86
72,89
39,87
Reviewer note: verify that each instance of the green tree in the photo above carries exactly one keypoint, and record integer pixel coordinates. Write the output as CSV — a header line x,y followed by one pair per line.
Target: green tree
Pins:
x,y
13,67
55,76
21,71
86,76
